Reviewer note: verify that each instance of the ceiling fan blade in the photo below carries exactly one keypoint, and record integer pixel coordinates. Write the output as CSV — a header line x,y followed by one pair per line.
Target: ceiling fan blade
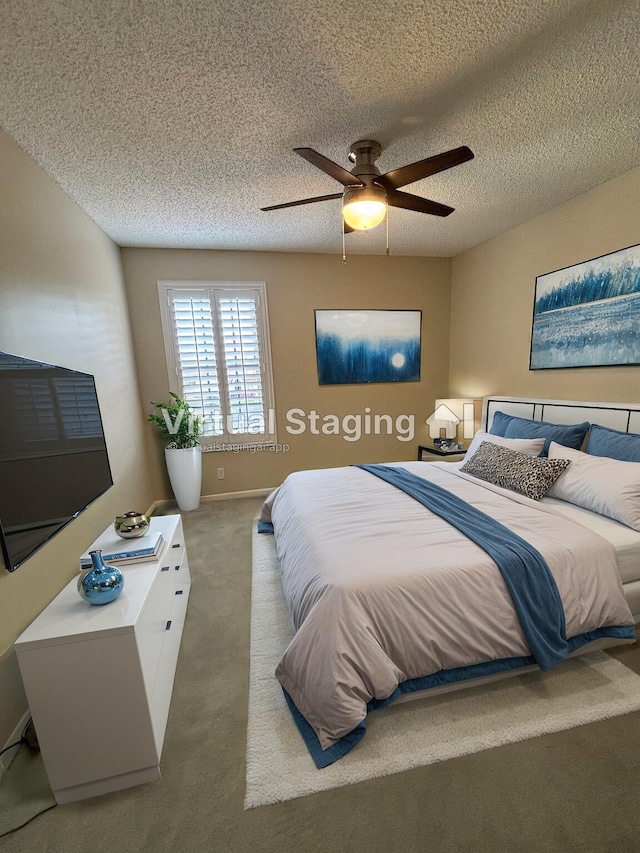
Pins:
x,y
420,205
303,201
337,172
424,168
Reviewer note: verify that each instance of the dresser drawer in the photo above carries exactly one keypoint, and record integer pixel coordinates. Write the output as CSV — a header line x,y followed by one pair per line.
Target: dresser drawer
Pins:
x,y
154,624
174,557
160,699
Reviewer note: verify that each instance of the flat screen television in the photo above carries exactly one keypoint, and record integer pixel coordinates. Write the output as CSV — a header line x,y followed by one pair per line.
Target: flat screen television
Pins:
x,y
53,456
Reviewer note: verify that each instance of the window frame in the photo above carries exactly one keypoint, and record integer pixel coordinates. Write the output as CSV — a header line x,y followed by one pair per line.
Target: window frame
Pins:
x,y
213,290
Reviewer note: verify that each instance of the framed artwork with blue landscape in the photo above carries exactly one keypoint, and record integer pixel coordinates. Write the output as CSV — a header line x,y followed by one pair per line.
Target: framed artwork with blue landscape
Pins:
x,y
588,315
355,347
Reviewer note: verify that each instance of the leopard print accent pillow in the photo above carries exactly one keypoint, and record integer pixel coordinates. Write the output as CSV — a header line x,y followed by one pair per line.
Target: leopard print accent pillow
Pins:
x,y
531,476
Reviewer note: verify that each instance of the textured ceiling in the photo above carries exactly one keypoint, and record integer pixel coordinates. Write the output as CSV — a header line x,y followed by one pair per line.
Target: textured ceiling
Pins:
x,y
171,123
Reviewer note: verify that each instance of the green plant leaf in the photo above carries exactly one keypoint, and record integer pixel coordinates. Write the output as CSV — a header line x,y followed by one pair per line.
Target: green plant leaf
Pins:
x,y
176,422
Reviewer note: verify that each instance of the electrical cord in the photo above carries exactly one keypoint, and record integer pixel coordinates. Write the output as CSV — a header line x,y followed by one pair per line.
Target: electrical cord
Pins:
x,y
32,743
23,738
11,746
33,817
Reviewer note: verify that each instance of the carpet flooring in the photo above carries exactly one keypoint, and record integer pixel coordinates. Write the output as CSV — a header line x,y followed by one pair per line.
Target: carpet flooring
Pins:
x,y
407,735
25,791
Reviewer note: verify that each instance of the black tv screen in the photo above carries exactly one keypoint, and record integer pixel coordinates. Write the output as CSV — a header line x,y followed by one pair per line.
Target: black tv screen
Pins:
x,y
53,456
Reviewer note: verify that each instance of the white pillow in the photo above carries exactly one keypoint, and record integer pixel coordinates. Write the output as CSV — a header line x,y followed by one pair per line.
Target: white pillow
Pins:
x,y
530,446
606,486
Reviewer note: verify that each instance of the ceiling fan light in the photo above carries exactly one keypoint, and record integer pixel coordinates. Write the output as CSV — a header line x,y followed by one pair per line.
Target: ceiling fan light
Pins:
x,y
364,208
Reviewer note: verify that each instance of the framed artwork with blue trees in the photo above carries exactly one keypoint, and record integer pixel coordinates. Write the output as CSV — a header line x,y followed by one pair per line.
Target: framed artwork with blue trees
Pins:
x,y
588,315
359,346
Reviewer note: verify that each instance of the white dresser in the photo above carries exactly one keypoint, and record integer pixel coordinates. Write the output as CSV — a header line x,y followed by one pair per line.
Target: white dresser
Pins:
x,y
99,678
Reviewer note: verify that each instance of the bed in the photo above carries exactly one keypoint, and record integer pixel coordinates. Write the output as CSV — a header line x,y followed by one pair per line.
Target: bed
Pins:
x,y
408,579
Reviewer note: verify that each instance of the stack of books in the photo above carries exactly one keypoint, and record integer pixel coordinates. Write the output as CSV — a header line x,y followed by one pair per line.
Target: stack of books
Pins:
x,y
122,551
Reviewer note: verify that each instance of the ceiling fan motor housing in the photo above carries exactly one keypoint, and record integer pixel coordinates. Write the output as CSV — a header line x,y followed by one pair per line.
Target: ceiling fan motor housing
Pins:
x,y
364,154
364,207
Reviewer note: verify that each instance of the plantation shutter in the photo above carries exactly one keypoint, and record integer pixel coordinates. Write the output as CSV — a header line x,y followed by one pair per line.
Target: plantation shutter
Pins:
x,y
241,346
196,355
219,353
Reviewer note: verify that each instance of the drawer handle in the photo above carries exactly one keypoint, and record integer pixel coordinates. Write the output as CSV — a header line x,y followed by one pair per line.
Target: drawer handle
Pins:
x,y
179,591
168,625
177,568
177,545
164,569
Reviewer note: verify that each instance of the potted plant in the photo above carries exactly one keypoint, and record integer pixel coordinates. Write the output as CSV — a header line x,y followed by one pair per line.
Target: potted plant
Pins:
x,y
180,429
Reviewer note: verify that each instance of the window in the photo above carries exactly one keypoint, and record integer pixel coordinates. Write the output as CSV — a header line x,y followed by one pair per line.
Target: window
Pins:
x,y
218,356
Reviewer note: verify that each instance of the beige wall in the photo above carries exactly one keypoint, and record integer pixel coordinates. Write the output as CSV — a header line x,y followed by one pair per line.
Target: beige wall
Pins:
x,y
493,290
62,300
296,285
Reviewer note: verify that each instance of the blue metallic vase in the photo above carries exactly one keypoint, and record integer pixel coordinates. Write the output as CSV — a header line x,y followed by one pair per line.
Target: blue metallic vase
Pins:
x,y
101,583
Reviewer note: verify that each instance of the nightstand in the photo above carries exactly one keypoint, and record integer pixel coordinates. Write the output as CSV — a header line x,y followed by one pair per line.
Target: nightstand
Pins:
x,y
438,454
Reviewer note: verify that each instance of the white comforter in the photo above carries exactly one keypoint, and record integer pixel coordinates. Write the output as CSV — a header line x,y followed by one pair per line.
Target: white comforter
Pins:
x,y
381,590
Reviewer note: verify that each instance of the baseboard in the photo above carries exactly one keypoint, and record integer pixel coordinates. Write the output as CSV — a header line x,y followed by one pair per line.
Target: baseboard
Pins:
x,y
248,493
156,505
224,496
16,734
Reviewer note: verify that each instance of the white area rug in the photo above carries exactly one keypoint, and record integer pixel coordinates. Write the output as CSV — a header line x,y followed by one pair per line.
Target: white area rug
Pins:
x,y
279,767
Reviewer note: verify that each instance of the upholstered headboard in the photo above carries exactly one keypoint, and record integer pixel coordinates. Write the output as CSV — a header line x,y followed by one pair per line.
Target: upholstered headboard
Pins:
x,y
621,416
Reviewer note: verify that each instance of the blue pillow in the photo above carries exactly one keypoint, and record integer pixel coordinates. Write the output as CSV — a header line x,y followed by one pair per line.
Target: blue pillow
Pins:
x,y
500,423
569,435
614,444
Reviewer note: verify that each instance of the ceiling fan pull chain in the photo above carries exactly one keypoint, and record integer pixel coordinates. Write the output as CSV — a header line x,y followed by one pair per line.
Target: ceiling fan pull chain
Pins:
x,y
344,251
387,232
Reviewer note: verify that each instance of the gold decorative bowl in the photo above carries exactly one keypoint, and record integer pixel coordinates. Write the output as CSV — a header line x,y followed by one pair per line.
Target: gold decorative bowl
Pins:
x,y
131,524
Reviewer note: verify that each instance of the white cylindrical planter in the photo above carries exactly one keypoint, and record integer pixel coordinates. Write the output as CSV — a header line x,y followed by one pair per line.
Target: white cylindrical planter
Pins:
x,y
185,473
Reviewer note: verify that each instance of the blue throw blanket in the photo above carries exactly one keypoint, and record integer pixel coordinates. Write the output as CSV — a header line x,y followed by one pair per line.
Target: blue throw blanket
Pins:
x,y
525,572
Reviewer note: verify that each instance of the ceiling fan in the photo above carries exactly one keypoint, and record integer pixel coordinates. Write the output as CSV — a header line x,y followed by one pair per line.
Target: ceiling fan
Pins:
x,y
367,194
